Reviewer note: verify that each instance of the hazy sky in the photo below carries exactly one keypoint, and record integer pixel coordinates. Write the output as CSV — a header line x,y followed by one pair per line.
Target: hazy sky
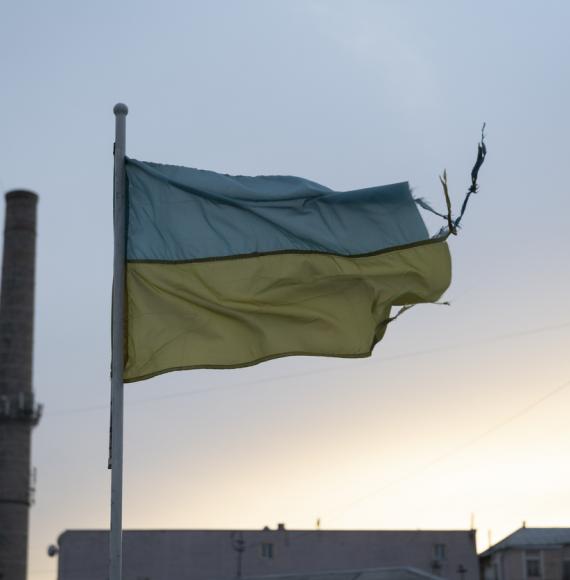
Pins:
x,y
349,93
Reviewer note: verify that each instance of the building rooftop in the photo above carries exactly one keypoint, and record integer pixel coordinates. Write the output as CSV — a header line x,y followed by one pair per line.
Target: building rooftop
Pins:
x,y
532,538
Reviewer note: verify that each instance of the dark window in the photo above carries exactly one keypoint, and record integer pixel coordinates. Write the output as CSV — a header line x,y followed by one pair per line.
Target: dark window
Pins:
x,y
566,570
267,550
439,552
533,568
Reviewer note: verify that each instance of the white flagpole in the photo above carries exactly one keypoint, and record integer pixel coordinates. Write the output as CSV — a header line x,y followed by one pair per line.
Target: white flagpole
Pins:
x,y
119,182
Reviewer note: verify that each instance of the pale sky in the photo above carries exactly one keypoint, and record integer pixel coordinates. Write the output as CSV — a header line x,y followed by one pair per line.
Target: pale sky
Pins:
x,y
436,426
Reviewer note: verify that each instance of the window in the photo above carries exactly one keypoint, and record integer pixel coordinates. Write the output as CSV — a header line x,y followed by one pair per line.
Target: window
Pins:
x,y
267,550
533,568
566,570
439,551
533,564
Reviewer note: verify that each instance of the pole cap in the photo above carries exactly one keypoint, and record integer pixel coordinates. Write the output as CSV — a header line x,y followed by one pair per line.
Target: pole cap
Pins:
x,y
18,194
121,109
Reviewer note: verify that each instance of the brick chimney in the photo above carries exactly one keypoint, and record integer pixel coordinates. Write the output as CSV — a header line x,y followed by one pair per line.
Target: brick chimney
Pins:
x,y
18,410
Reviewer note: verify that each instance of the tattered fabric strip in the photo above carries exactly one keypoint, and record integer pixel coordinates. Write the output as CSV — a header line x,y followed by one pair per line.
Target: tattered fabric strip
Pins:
x,y
453,224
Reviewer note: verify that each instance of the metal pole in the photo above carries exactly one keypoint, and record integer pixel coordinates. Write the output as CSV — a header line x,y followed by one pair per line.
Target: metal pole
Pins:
x,y
117,363
239,546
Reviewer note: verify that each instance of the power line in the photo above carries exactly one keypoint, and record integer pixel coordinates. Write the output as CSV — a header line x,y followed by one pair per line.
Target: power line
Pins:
x,y
524,411
481,341
460,448
441,458
493,339
381,359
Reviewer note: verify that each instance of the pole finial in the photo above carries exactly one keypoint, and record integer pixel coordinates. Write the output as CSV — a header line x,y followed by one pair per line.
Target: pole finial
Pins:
x,y
121,109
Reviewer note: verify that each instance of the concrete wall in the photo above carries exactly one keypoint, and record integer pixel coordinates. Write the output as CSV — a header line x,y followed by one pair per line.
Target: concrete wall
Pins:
x,y
208,555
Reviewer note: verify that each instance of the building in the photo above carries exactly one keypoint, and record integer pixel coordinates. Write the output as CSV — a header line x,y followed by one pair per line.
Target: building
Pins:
x,y
226,555
18,410
529,554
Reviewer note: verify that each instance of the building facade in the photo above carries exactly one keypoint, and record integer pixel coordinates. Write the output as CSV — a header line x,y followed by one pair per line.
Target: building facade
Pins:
x,y
529,554
227,555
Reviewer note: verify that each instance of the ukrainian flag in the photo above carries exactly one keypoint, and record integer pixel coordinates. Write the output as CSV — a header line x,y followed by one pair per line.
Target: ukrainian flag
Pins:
x,y
229,271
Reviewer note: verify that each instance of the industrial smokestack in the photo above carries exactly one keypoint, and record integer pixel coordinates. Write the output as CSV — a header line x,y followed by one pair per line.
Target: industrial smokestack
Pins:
x,y
18,410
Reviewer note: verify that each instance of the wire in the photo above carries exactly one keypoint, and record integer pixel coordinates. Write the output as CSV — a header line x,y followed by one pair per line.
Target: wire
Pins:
x,y
458,449
381,359
439,459
524,411
491,339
